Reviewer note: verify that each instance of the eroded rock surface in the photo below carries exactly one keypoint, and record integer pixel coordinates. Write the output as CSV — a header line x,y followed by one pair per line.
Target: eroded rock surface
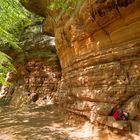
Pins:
x,y
99,50
38,71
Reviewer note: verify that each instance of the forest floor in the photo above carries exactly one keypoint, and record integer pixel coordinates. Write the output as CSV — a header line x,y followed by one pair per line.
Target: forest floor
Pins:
x,y
39,123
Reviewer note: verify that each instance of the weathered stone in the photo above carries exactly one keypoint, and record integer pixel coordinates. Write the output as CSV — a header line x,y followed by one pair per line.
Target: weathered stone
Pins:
x,y
102,64
36,77
99,52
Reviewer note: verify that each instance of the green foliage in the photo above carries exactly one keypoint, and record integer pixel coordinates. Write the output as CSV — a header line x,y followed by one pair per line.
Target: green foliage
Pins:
x,y
61,4
5,66
13,18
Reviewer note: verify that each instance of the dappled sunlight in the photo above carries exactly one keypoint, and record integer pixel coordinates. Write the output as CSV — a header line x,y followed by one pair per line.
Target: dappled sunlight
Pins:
x,y
39,123
98,45
85,132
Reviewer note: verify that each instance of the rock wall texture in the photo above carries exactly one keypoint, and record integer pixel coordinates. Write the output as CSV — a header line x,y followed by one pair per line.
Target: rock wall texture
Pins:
x,y
99,51
100,63
38,72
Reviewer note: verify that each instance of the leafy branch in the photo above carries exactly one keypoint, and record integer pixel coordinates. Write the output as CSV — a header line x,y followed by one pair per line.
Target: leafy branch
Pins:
x,y
13,18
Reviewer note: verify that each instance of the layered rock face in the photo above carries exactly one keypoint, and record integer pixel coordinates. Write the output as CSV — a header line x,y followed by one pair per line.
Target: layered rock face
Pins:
x,y
100,61
38,72
99,51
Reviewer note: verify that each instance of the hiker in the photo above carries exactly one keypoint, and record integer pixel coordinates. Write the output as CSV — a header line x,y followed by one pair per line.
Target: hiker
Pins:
x,y
120,115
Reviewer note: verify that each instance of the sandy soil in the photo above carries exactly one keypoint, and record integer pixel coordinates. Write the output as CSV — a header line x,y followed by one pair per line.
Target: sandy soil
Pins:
x,y
38,123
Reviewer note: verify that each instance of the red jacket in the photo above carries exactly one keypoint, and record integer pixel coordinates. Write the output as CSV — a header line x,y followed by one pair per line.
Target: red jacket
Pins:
x,y
116,115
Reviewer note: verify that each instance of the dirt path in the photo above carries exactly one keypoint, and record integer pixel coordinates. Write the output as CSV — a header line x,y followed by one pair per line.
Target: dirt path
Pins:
x,y
37,123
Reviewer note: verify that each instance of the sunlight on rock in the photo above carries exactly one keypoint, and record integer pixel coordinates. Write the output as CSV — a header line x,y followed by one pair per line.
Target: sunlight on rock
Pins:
x,y
25,121
84,132
6,137
52,41
47,101
97,54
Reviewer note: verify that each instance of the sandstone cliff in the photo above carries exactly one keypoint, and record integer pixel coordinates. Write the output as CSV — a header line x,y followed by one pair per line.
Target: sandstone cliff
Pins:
x,y
98,45
38,72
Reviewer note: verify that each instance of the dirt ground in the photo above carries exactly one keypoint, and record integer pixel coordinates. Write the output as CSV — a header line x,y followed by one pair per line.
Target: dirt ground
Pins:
x,y
39,123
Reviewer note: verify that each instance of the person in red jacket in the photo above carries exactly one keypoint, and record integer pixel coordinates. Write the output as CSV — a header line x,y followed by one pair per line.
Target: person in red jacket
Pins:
x,y
120,115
